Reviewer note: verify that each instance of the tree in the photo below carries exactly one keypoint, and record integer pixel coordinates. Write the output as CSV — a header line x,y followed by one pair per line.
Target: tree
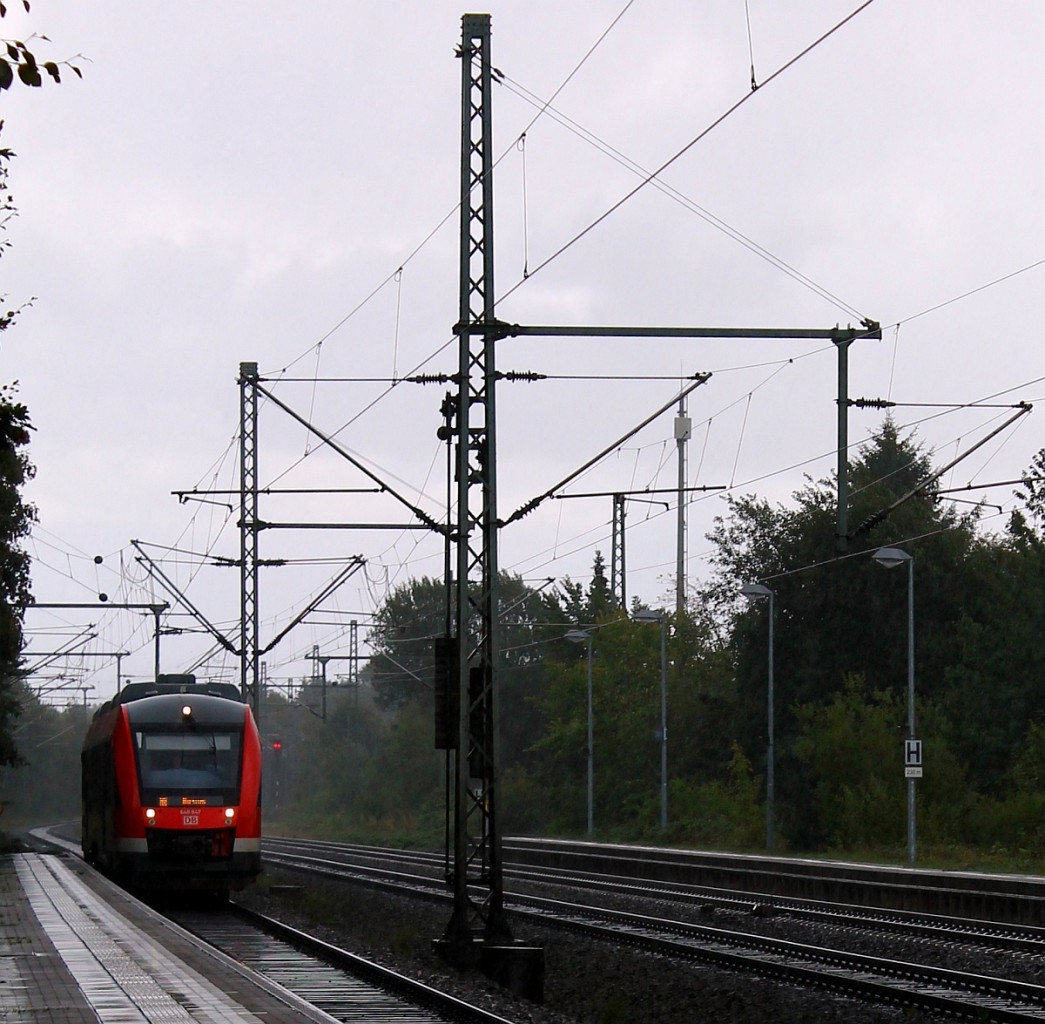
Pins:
x,y
625,688
402,636
16,515
20,63
844,617
16,519
414,614
49,742
1032,494
995,697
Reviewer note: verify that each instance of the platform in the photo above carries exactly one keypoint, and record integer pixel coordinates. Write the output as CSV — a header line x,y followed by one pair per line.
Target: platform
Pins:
x,y
76,949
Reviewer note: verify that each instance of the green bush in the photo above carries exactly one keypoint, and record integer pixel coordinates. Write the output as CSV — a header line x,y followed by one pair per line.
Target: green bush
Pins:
x,y
720,814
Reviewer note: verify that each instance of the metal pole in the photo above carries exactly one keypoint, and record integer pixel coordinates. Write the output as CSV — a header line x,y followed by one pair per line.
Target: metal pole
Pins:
x,y
248,535
756,592
910,707
663,722
842,512
646,615
618,583
591,752
576,636
478,872
770,750
682,431
157,611
890,557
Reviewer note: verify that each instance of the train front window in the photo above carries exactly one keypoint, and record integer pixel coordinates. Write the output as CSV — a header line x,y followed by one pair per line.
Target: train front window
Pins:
x,y
179,769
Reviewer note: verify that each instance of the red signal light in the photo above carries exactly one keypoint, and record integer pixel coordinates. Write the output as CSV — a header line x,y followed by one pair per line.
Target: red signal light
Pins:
x,y
277,745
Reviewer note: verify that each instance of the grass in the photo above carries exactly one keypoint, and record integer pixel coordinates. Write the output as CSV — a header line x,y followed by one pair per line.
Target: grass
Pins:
x,y
407,834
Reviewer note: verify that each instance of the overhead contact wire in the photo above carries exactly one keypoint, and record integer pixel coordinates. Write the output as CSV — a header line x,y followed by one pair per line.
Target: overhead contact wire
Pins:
x,y
689,145
973,291
716,222
566,81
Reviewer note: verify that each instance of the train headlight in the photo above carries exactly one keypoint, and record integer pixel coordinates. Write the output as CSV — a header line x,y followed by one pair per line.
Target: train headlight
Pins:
x,y
230,813
186,711
150,813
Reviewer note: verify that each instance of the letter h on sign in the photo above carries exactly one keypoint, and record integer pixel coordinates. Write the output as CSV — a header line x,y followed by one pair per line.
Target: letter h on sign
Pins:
x,y
912,758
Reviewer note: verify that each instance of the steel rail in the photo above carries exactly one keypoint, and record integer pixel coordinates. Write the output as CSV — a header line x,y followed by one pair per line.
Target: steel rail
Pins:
x,y
331,978
959,993
968,931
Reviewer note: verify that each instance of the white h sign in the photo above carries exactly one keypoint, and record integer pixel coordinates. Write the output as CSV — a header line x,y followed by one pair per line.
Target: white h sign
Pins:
x,y
912,759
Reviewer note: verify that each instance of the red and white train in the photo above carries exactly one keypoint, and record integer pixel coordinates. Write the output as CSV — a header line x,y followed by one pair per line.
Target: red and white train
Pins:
x,y
171,785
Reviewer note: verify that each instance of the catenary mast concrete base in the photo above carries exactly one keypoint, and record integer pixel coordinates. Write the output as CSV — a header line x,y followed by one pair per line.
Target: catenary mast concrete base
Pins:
x,y
515,966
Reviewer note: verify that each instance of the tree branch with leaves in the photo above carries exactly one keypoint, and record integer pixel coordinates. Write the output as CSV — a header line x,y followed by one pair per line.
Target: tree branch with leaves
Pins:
x,y
21,64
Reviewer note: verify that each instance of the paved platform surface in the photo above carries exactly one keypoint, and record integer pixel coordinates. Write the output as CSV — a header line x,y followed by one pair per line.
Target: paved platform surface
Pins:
x,y
75,949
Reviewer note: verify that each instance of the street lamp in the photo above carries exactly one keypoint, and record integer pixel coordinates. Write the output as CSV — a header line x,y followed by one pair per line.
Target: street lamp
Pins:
x,y
891,557
646,615
759,592
582,636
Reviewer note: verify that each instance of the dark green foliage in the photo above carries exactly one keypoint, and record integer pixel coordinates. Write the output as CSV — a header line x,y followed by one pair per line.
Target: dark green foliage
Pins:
x,y
360,772
405,626
979,606
724,811
626,690
1032,492
16,519
402,633
44,785
841,688
851,746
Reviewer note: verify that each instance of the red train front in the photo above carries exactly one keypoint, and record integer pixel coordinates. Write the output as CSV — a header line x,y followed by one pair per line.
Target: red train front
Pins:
x,y
171,775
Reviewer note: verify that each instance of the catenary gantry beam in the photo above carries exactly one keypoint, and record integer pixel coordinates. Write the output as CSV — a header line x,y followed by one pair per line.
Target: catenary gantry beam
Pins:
x,y
840,337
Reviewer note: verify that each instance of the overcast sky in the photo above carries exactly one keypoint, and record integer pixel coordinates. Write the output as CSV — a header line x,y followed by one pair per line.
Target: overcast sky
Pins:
x,y
243,181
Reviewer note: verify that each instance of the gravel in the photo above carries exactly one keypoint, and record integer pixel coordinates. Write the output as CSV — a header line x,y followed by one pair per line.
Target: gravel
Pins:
x,y
585,980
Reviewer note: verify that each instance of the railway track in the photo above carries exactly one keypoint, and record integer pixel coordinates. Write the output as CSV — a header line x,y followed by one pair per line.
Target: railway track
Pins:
x,y
1014,899
977,997
346,986
902,982
426,870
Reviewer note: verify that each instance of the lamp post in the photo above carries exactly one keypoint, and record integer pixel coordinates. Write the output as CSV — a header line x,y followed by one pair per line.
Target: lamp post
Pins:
x,y
759,592
891,557
646,615
582,636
